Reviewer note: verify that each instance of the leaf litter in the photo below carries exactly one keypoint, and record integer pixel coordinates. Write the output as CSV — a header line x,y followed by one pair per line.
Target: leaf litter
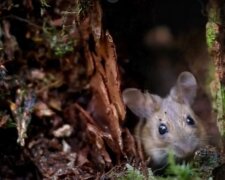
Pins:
x,y
62,91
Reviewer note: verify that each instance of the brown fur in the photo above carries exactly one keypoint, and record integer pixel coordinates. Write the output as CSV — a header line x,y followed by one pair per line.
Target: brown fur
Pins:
x,y
182,138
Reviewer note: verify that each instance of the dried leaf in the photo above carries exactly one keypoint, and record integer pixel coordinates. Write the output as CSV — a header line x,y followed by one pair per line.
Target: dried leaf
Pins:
x,y
55,104
4,120
42,110
37,74
66,147
64,131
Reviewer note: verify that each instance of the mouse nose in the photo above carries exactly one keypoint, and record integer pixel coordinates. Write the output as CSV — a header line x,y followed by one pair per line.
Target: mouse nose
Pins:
x,y
183,150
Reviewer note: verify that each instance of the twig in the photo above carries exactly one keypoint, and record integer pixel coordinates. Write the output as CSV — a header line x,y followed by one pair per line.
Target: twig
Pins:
x,y
22,20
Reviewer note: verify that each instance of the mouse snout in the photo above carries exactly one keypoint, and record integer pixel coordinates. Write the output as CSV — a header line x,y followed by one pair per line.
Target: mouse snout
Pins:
x,y
183,150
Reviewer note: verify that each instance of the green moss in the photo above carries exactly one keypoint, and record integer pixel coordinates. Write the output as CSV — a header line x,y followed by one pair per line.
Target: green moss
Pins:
x,y
131,173
173,172
212,27
184,171
44,3
211,34
219,105
59,40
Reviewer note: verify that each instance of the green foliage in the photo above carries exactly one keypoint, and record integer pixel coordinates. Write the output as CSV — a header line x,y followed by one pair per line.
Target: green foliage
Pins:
x,y
132,173
220,107
212,27
180,172
11,123
59,41
44,3
212,31
61,49
59,38
173,172
211,34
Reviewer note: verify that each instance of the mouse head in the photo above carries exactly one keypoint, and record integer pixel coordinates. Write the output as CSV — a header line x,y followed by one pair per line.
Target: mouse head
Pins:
x,y
171,124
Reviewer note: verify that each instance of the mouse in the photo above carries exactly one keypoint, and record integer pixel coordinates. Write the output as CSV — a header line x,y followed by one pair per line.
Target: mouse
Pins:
x,y
167,124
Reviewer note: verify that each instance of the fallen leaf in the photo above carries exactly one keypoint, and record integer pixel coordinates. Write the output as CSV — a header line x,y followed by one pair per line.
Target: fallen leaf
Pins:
x,y
64,131
42,110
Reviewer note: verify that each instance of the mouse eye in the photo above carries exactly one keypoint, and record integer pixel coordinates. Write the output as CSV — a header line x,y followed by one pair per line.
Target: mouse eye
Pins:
x,y
190,121
162,129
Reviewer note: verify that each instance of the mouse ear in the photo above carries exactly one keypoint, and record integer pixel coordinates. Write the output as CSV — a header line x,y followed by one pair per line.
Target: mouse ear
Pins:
x,y
185,89
141,104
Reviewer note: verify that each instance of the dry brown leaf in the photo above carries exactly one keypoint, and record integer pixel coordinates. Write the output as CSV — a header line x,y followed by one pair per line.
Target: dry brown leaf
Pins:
x,y
55,104
64,131
37,74
82,157
4,119
42,110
